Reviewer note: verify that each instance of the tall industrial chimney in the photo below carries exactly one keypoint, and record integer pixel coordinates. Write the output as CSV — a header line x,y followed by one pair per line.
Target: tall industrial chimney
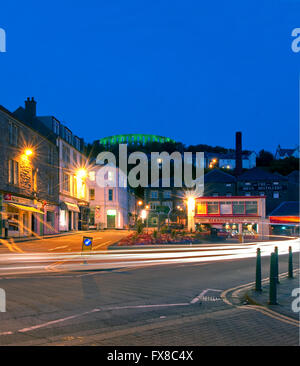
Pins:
x,y
238,153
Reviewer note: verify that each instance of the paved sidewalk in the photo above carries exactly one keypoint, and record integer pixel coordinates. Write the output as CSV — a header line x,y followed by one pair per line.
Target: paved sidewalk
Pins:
x,y
284,296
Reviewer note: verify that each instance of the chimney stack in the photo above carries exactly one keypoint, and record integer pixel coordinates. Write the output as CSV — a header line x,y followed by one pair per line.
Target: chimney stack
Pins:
x,y
30,107
238,153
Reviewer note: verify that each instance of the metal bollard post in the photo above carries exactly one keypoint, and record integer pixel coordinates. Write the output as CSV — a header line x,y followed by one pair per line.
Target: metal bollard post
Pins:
x,y
290,275
273,282
276,265
258,271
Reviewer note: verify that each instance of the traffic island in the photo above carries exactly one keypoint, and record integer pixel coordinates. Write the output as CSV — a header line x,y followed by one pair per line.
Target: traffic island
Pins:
x,y
286,300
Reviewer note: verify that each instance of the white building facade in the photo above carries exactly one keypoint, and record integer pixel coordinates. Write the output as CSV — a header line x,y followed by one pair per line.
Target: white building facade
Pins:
x,y
111,204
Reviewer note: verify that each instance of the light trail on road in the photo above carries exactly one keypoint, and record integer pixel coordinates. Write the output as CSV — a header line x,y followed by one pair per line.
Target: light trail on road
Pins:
x,y
27,263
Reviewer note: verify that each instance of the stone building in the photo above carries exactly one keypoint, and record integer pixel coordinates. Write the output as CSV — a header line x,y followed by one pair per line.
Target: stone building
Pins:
x,y
72,167
28,177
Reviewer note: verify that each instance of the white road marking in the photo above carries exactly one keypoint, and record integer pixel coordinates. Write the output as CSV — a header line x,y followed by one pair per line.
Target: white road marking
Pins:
x,y
199,297
64,246
24,330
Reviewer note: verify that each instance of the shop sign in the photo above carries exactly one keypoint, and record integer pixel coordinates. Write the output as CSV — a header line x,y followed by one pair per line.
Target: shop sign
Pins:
x,y
11,198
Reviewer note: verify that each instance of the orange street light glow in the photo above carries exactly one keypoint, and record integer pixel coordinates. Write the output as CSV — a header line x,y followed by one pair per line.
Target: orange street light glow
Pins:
x,y
28,152
81,173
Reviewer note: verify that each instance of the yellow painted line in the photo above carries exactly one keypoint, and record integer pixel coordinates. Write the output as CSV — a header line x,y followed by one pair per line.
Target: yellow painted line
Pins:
x,y
12,247
263,310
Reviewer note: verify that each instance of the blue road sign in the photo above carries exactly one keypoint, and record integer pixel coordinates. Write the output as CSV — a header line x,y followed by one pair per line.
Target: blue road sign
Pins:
x,y
87,242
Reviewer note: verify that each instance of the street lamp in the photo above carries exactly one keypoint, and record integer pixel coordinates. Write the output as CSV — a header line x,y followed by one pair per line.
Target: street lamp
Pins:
x,y
191,202
81,173
28,152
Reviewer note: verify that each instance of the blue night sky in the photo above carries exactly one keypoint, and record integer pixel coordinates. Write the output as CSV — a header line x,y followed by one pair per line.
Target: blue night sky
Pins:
x,y
195,71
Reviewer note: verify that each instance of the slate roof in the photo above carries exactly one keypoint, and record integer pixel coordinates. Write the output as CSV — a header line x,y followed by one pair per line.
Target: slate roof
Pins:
x,y
283,152
34,123
287,208
218,176
256,174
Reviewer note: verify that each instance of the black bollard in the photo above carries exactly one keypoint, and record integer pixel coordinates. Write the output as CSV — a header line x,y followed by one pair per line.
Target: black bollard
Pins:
x,y
290,275
258,271
277,265
273,282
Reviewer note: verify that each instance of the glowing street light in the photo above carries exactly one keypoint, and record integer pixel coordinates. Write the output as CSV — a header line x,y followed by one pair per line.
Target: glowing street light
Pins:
x,y
28,152
81,173
140,203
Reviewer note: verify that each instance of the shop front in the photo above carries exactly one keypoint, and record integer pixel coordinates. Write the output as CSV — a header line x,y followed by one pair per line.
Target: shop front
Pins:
x,y
21,217
68,216
236,215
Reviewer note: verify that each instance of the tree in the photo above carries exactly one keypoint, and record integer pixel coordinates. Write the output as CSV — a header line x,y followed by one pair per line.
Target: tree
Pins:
x,y
264,158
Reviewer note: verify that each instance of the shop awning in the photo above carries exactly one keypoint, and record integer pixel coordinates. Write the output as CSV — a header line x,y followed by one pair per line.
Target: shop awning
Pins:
x,y
69,206
25,208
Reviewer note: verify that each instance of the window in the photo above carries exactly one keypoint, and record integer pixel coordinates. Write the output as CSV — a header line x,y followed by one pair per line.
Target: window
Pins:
x,y
276,195
276,183
56,127
168,204
247,184
66,182
226,208
251,207
66,154
228,184
13,172
92,194
51,155
167,194
201,208
74,157
77,142
238,208
68,136
154,194
153,205
13,133
212,208
215,194
247,194
51,185
110,194
228,194
50,218
92,176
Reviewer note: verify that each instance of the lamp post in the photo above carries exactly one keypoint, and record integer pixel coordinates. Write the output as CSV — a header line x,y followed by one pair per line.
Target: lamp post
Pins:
x,y
191,213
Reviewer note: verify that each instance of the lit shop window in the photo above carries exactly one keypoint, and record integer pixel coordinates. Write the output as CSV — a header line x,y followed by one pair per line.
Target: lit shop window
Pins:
x,y
92,176
201,208
92,194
